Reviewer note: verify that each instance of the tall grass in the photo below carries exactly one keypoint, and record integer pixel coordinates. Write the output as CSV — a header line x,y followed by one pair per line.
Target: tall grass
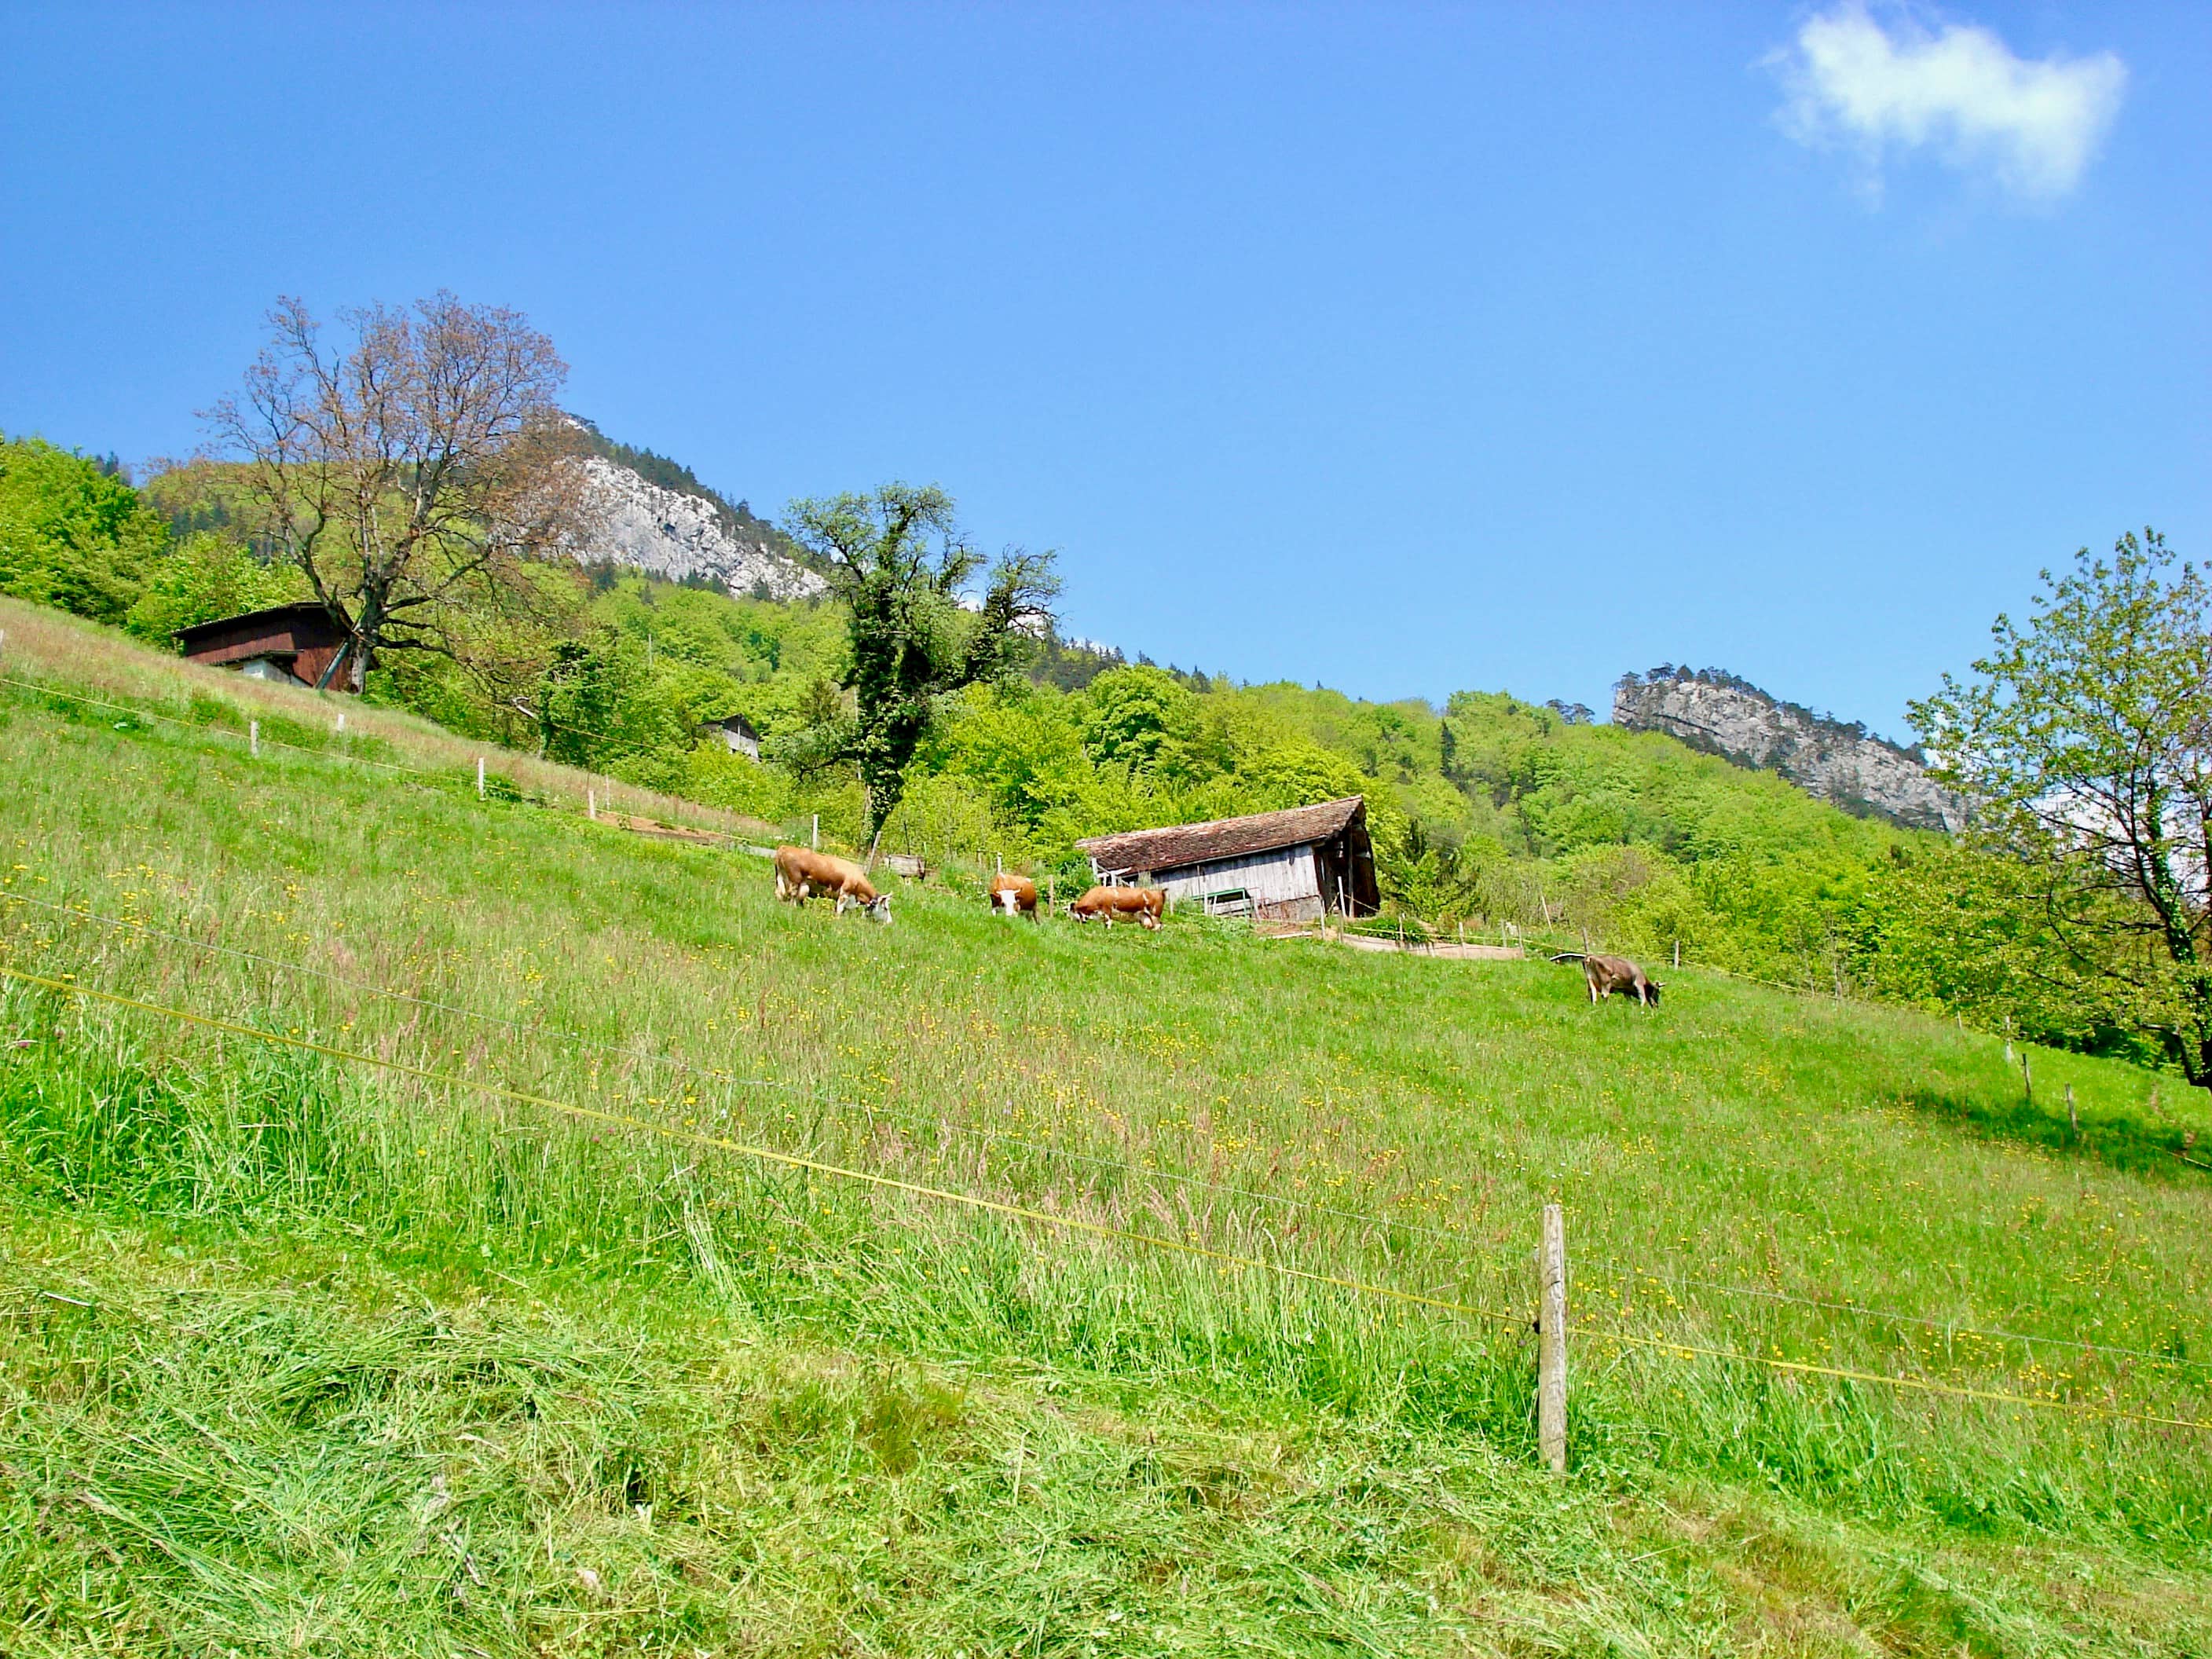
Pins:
x,y
1398,1120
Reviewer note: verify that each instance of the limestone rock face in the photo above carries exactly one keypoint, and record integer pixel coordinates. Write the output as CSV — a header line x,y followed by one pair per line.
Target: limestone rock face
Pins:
x,y
667,533
1840,764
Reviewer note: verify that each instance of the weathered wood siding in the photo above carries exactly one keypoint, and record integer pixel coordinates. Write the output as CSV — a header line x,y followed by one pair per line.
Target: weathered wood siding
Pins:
x,y
1283,884
302,645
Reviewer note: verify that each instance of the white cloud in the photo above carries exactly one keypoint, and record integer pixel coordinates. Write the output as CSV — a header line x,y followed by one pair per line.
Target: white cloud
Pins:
x,y
1958,90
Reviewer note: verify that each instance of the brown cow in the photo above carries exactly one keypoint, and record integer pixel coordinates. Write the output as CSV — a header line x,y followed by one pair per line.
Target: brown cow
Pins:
x,y
1606,974
801,873
1145,904
1015,894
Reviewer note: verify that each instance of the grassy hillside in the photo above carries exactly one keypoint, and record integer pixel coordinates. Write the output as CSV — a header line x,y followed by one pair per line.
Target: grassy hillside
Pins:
x,y
1490,810
307,1355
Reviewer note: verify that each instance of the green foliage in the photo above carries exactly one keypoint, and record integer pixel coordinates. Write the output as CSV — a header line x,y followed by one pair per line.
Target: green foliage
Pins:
x,y
898,562
2084,742
1140,717
202,577
73,533
1961,929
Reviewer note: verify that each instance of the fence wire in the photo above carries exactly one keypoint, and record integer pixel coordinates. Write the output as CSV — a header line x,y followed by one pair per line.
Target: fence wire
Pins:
x,y
1135,1172
1097,1229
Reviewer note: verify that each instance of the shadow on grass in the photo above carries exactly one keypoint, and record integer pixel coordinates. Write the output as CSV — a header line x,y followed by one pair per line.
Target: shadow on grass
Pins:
x,y
2127,1142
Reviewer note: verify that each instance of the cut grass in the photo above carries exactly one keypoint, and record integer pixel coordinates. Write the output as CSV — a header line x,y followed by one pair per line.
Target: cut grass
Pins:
x,y
316,1455
1739,1141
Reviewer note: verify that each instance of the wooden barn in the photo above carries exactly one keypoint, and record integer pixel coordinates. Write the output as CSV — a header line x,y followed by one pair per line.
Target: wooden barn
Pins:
x,y
294,644
736,734
1296,866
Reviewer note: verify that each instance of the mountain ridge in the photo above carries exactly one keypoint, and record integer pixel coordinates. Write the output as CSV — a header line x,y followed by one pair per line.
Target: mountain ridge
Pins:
x,y
681,536
1838,762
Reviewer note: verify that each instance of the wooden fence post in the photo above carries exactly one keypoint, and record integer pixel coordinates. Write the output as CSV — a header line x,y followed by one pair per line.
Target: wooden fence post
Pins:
x,y
479,777
254,738
2027,1080
1552,1343
816,841
2073,1121
592,805
341,724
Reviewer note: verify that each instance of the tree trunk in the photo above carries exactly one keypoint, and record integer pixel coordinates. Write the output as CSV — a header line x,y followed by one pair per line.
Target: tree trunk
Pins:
x,y
368,633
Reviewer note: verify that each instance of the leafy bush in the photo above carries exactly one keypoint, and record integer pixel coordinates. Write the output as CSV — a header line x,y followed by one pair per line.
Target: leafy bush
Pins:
x,y
204,577
73,534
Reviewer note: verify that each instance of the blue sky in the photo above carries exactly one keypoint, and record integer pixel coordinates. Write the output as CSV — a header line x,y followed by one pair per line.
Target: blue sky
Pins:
x,y
1403,349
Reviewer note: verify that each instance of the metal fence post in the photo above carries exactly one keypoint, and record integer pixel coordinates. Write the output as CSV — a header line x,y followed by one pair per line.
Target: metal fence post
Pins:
x,y
1552,1342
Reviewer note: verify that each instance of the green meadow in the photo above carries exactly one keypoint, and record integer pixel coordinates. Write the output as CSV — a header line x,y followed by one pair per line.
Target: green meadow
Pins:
x,y
302,1353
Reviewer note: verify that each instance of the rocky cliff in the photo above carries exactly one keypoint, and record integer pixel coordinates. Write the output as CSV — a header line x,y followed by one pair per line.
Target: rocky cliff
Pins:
x,y
674,534
1726,716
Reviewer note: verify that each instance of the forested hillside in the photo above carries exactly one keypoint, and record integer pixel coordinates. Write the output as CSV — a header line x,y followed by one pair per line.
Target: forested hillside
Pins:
x,y
1491,812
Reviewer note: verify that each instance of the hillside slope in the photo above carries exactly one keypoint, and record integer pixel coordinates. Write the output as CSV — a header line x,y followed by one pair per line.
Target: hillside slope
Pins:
x,y
1489,813
314,1352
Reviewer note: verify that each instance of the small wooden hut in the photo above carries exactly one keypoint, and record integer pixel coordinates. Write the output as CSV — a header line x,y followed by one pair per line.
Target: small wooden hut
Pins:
x,y
736,733
294,644
1295,865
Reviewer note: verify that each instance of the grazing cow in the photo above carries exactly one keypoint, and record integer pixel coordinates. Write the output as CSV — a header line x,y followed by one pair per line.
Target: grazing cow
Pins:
x,y
1015,894
1147,905
801,873
1606,974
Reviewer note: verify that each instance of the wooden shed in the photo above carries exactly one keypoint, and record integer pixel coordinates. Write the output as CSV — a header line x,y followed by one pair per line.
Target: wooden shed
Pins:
x,y
736,733
1295,865
295,644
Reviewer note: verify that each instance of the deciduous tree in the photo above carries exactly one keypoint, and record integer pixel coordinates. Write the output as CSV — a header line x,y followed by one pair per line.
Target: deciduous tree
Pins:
x,y
406,468
2084,745
898,558
73,533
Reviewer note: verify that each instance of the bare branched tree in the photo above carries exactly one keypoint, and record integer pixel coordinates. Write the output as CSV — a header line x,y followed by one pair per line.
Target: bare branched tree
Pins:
x,y
406,470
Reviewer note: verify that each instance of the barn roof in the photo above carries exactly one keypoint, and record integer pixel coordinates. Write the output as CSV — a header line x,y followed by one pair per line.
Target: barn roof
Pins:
x,y
1182,844
308,613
